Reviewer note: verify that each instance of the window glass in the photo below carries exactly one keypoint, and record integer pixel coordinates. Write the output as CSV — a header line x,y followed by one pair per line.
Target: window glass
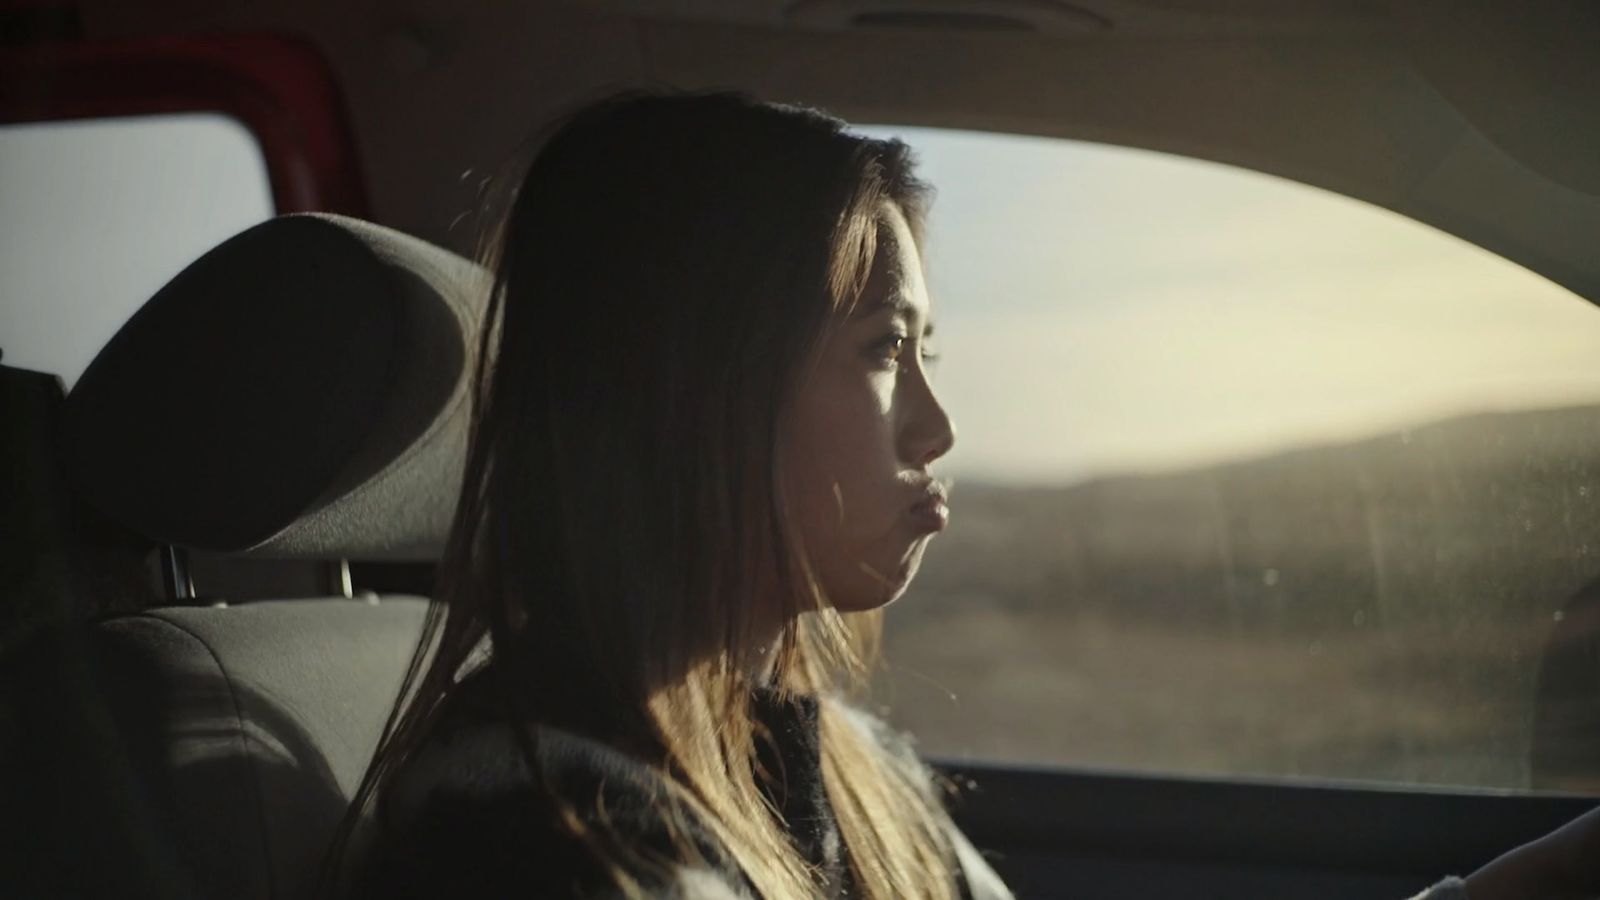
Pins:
x,y
99,214
1252,479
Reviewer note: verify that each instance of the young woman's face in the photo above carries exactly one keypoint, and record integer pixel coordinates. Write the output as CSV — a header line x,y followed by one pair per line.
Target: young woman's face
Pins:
x,y
862,434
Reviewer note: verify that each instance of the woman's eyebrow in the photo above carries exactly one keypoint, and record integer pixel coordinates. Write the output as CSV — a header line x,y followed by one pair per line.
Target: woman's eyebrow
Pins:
x,y
895,304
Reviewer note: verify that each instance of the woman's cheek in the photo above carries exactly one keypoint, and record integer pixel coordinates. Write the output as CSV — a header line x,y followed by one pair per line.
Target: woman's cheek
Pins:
x,y
844,466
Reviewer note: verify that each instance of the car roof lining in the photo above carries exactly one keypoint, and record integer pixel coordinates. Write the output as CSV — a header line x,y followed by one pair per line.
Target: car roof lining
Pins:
x,y
1464,114
1381,131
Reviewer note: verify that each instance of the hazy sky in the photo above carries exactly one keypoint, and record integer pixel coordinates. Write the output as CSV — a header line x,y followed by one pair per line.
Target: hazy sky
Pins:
x,y
1101,309
1105,309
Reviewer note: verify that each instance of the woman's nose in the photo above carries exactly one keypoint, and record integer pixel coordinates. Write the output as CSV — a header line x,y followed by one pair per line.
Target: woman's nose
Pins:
x,y
930,433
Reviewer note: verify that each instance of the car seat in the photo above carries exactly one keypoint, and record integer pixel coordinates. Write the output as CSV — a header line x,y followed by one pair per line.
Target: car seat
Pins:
x,y
298,393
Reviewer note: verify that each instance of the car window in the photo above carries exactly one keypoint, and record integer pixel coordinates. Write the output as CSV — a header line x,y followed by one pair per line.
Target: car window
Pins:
x,y
1251,479
100,213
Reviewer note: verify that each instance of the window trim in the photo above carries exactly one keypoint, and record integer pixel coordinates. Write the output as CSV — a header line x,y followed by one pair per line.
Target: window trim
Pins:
x,y
279,87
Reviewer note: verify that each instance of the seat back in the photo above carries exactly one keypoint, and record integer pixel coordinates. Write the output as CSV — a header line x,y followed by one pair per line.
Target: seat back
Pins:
x,y
261,720
203,751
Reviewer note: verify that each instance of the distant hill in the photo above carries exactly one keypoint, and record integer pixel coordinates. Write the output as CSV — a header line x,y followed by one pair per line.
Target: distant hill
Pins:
x,y
1481,515
1379,609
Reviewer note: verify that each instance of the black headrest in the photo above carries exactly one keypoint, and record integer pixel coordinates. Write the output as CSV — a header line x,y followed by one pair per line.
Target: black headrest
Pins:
x,y
298,391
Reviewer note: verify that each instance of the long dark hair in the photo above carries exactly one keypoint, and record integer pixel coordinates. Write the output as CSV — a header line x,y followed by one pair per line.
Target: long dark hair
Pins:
x,y
667,268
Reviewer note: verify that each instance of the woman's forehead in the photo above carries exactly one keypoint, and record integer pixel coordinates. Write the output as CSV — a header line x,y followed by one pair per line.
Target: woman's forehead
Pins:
x,y
895,281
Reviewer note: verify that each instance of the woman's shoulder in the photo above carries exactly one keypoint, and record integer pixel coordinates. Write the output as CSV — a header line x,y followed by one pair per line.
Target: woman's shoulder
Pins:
x,y
470,753
871,725
897,746
468,817
979,879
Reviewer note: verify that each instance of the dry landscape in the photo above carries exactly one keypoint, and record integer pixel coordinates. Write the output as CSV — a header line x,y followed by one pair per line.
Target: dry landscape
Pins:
x,y
1377,610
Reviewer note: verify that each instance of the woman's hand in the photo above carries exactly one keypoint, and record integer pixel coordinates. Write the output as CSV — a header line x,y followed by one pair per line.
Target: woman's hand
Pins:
x,y
1562,865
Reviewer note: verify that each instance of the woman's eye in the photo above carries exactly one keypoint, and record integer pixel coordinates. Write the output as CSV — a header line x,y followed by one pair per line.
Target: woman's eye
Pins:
x,y
888,349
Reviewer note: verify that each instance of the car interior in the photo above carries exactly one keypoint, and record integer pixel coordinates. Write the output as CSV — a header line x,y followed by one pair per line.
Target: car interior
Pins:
x,y
220,530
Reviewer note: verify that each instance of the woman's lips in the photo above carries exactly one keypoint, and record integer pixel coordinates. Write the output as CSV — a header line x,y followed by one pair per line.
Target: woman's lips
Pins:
x,y
932,513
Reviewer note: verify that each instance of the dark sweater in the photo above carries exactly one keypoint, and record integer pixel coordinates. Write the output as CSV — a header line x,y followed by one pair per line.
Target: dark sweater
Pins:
x,y
467,820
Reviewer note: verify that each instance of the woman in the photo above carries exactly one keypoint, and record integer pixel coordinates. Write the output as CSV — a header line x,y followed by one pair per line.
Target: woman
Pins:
x,y
701,463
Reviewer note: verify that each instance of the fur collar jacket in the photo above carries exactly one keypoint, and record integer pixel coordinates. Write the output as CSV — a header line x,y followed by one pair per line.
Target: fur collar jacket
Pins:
x,y
466,819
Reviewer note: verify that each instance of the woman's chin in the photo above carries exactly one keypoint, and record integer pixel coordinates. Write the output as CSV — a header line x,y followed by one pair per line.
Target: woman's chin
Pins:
x,y
875,590
861,604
